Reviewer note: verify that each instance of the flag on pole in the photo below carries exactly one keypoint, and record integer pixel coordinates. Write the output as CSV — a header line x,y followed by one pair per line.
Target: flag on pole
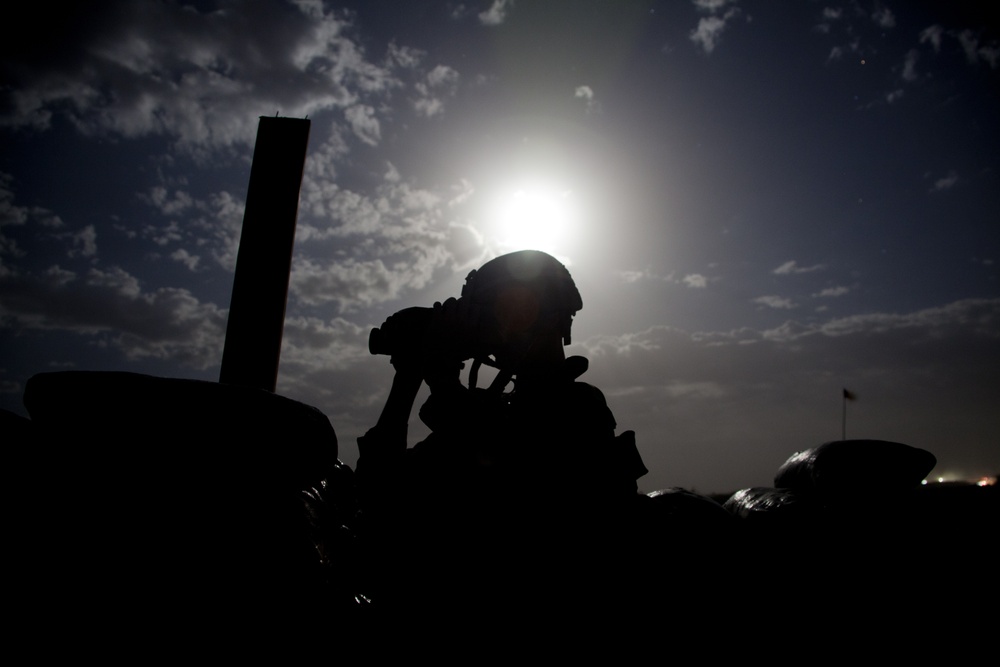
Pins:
x,y
849,396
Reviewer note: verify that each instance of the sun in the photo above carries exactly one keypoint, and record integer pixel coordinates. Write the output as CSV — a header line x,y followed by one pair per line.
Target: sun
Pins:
x,y
534,218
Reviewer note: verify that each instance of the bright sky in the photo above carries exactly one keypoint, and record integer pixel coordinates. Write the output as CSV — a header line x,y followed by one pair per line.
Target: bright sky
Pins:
x,y
762,203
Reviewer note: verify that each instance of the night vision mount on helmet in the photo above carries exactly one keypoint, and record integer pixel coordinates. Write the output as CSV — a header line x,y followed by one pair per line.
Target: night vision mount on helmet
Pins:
x,y
530,271
513,292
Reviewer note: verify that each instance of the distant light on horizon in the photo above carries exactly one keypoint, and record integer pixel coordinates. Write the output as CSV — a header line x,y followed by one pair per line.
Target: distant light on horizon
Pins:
x,y
985,480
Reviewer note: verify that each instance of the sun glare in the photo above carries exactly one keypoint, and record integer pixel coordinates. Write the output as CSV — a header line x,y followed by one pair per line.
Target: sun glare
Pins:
x,y
534,219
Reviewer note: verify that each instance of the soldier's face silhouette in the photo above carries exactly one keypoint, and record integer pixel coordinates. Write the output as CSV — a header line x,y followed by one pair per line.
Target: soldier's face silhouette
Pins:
x,y
516,312
525,333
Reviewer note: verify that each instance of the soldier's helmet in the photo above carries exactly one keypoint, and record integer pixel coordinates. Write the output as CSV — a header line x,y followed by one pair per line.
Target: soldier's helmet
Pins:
x,y
523,291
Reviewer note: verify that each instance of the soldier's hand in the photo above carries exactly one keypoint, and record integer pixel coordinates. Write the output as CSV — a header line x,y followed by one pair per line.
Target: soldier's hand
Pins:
x,y
446,343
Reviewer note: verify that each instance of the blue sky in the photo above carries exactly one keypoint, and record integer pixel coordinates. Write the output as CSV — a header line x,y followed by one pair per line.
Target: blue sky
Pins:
x,y
762,203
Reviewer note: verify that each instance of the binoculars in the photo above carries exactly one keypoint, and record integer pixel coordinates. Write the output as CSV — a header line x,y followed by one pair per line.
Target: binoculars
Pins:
x,y
454,332
402,333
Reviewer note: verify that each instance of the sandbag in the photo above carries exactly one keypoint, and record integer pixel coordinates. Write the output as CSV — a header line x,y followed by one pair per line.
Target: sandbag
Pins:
x,y
848,466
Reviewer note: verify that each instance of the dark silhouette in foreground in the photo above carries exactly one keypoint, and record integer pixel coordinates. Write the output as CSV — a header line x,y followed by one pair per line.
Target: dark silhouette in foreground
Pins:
x,y
513,493
138,498
150,505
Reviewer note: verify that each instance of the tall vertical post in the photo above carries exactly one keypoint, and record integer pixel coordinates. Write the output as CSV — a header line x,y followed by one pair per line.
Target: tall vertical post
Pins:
x,y
843,420
264,262
847,396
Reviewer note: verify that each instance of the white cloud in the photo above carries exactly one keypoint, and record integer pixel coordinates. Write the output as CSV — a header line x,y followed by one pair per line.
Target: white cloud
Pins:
x,y
497,13
708,32
932,34
404,56
442,76
945,183
883,17
626,344
212,224
695,280
439,84
774,301
13,215
970,45
977,315
110,307
351,283
792,266
392,174
631,276
223,223
833,291
395,217
345,212
712,5
990,54
710,28
463,191
634,276
364,124
429,106
586,93
10,214
169,233
58,276
84,242
395,224
320,175
910,65
167,203
829,15
312,343
894,95
401,235
187,259
117,279
200,79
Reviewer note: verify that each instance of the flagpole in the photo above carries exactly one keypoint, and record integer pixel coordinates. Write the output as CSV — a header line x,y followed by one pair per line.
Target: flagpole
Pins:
x,y
843,417
846,396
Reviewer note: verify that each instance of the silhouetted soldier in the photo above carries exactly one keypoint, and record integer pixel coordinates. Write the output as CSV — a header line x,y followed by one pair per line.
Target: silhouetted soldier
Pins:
x,y
506,481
